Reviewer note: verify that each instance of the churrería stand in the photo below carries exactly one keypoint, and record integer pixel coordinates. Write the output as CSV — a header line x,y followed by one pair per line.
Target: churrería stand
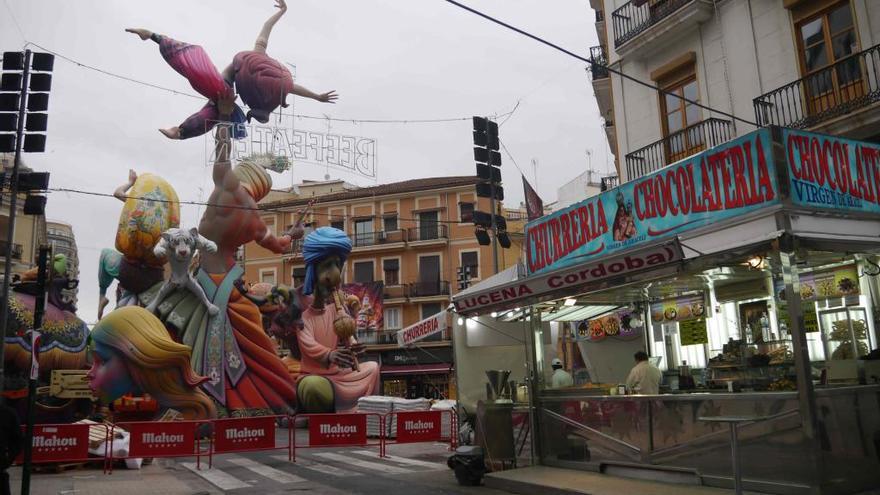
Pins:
x,y
749,275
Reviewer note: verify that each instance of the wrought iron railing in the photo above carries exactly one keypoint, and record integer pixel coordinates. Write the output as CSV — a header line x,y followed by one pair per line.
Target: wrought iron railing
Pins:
x,y
599,67
427,289
373,238
610,182
677,146
846,85
427,232
631,20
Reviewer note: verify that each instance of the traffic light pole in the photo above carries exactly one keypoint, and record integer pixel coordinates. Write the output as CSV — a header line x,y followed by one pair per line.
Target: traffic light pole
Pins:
x,y
39,310
494,230
13,200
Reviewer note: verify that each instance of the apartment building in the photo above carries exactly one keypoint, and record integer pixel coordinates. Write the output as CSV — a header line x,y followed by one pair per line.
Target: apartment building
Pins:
x,y
30,230
806,64
412,236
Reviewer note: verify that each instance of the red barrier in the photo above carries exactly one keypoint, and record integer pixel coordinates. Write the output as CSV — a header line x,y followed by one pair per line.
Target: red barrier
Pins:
x,y
340,430
149,439
420,426
248,435
63,443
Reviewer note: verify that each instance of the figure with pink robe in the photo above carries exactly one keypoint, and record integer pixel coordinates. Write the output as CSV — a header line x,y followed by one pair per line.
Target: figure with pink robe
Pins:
x,y
262,81
333,379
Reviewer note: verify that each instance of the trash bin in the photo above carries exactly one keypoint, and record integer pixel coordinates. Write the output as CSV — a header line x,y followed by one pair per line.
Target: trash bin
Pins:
x,y
469,465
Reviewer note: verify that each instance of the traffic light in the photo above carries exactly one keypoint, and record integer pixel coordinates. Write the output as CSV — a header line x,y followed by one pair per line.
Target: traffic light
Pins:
x,y
486,146
24,99
464,277
30,182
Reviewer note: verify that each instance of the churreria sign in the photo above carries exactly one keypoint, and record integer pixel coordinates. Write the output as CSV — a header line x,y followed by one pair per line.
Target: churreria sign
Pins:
x,y
519,292
733,179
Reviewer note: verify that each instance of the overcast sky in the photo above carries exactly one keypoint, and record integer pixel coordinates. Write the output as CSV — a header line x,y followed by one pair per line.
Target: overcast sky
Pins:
x,y
388,59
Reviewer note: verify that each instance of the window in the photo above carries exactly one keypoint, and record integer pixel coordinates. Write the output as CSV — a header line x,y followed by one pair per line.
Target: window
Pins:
x,y
363,271
299,276
363,232
470,259
677,115
428,226
432,309
267,275
270,224
826,39
389,223
392,319
391,271
338,224
466,212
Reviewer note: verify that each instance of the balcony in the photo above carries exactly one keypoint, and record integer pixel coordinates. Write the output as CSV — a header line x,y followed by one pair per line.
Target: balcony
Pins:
x,y
677,146
379,240
396,291
389,337
653,23
610,182
599,56
429,289
17,250
848,87
428,233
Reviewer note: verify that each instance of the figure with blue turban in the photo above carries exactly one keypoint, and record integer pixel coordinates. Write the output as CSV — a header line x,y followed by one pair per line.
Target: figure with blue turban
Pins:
x,y
332,380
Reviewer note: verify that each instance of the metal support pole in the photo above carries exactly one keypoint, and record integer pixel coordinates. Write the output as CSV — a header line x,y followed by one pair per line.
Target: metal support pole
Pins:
x,y
535,355
13,200
39,308
734,452
803,370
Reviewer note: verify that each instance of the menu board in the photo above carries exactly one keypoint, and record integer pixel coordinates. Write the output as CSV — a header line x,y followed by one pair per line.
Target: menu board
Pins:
x,y
839,282
678,309
693,331
616,324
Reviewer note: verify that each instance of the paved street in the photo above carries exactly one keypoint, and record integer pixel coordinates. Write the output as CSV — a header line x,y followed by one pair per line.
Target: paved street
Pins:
x,y
421,468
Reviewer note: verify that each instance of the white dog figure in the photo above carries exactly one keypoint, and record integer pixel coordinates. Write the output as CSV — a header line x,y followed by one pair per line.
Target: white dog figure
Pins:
x,y
180,246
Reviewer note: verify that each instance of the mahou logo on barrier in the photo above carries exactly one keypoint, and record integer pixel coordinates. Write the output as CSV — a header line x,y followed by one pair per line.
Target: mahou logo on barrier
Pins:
x,y
162,438
338,429
418,426
244,434
59,443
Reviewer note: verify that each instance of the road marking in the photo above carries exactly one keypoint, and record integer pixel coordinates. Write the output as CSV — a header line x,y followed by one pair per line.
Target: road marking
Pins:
x,y
216,477
321,468
404,460
267,471
374,466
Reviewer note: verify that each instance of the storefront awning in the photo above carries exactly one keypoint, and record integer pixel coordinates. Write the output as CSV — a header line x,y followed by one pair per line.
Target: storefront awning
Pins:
x,y
417,369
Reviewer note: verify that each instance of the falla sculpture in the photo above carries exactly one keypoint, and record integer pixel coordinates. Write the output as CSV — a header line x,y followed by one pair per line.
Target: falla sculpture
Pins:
x,y
262,81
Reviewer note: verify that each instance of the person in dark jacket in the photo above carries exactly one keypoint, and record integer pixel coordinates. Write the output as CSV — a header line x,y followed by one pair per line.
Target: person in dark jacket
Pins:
x,y
10,443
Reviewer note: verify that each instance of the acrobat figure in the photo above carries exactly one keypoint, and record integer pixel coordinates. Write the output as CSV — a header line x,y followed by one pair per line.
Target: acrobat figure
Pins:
x,y
262,81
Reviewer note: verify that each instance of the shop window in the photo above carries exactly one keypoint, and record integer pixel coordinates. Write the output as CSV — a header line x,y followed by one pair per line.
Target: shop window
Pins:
x,y
681,140
389,223
470,259
363,272
825,39
391,271
392,319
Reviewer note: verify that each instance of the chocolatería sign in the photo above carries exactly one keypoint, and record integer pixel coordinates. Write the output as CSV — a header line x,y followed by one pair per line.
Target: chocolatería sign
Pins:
x,y
736,178
422,329
520,291
832,173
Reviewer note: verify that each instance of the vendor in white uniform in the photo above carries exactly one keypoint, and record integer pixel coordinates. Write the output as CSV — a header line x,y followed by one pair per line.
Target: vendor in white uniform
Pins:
x,y
561,378
644,378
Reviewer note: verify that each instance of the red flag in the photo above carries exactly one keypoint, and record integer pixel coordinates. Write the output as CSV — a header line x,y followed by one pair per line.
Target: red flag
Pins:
x,y
534,205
